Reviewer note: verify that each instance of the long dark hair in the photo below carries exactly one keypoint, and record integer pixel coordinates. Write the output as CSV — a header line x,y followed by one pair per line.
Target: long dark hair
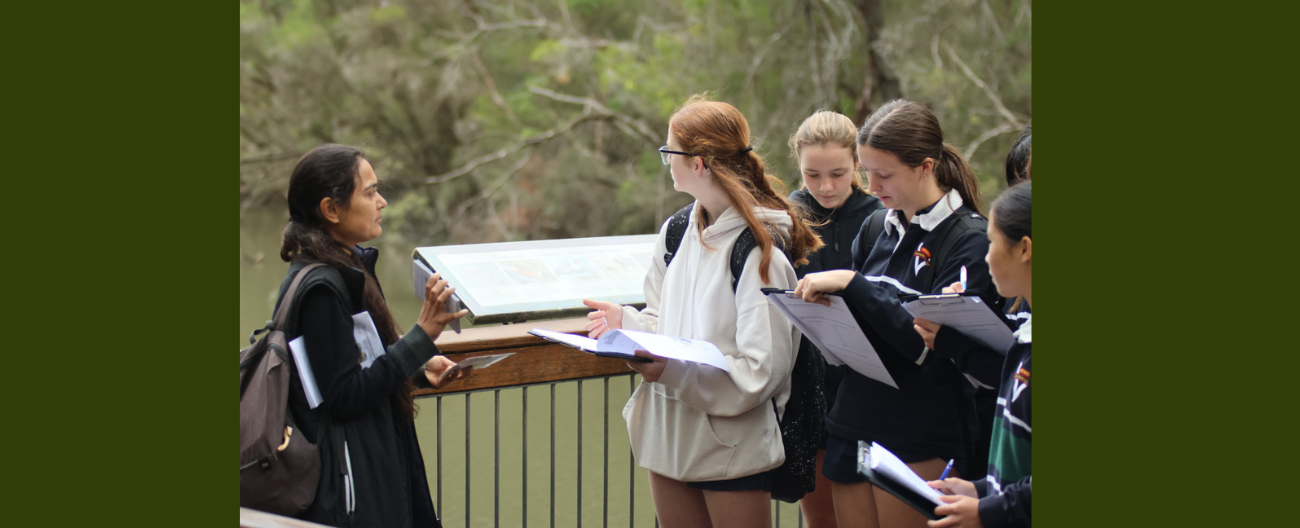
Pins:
x,y
718,133
331,171
911,132
1013,216
1018,157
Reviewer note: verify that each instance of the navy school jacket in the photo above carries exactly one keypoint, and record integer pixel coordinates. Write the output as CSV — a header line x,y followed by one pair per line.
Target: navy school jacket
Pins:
x,y
928,415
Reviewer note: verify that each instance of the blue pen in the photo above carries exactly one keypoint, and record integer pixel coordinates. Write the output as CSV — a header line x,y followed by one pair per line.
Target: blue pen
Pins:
x,y
949,468
963,288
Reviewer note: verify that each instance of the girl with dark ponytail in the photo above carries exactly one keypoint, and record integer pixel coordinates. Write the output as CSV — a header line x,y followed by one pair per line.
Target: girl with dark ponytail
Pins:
x,y
931,231
372,472
710,437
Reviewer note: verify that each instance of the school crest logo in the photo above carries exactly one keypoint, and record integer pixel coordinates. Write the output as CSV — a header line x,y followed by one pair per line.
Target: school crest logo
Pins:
x,y
921,259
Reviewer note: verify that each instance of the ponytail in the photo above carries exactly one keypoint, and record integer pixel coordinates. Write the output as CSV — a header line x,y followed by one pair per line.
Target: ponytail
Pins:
x,y
952,172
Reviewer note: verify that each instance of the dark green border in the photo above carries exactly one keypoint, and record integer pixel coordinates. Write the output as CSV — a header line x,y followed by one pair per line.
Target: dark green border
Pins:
x,y
1160,399
117,209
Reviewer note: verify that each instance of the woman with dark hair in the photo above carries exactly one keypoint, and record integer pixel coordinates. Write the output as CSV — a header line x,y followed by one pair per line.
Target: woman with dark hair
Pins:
x,y
711,437
372,472
1003,497
931,231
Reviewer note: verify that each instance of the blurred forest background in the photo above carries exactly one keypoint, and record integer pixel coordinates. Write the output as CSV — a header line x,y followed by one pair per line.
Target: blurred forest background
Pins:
x,y
536,119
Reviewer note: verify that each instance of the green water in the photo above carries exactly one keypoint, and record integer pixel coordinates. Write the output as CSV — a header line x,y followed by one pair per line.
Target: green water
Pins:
x,y
260,274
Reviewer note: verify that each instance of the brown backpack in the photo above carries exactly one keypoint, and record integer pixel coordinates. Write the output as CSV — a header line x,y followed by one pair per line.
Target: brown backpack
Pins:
x,y
278,468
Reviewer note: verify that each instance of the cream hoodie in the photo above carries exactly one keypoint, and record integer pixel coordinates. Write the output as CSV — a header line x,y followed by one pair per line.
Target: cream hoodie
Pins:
x,y
699,423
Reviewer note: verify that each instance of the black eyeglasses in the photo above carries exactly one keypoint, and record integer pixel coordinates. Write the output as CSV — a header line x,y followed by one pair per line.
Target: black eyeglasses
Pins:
x,y
664,152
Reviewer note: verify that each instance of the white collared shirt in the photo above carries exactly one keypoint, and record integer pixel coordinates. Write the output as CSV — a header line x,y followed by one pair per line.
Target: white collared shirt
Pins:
x,y
929,219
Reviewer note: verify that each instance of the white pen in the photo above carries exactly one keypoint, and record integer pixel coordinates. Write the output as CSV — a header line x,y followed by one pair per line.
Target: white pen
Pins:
x,y
963,278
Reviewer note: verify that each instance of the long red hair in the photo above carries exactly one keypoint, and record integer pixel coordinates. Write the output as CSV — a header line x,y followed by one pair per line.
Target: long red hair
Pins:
x,y
718,133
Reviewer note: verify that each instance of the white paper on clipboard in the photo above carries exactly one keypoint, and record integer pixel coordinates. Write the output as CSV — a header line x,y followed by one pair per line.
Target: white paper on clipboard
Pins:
x,y
835,332
966,314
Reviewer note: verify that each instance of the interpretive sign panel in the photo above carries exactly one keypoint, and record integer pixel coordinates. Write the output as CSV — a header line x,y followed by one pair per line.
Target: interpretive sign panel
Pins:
x,y
542,279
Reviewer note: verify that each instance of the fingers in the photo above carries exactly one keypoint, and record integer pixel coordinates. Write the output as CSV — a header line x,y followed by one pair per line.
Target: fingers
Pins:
x,y
926,324
597,305
598,314
444,294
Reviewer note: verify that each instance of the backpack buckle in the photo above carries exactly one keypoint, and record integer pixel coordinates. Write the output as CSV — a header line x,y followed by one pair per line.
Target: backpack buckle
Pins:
x,y
252,338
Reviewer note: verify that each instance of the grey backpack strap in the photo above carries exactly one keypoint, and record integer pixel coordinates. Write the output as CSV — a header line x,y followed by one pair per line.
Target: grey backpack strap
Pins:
x,y
282,313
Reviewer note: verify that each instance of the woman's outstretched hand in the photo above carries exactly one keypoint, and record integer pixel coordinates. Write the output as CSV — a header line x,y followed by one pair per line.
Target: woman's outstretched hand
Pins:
x,y
433,315
607,316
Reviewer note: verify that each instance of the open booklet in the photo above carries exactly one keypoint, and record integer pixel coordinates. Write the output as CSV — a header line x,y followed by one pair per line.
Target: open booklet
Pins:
x,y
967,314
420,274
835,332
887,472
623,343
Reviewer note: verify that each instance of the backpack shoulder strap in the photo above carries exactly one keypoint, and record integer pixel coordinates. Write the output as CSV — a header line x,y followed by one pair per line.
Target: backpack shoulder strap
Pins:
x,y
745,243
676,230
867,234
282,311
874,225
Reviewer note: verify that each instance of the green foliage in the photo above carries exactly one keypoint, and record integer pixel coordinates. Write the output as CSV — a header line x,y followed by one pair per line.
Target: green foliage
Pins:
x,y
431,88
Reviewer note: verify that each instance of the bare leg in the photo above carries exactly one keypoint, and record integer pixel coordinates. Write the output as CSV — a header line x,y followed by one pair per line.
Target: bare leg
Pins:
x,y
894,512
678,505
819,506
739,509
855,505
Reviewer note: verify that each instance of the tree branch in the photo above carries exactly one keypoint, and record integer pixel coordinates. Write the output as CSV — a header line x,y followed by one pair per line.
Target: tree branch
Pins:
x,y
586,115
993,96
1000,129
595,106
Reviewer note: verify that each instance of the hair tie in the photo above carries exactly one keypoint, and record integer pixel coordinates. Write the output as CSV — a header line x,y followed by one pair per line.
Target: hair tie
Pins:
x,y
745,150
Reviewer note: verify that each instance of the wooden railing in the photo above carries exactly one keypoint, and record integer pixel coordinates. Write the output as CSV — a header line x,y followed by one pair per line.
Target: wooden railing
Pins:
x,y
536,362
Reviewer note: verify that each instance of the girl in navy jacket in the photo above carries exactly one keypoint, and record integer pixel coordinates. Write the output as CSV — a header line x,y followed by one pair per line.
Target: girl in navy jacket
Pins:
x,y
932,230
1003,498
834,195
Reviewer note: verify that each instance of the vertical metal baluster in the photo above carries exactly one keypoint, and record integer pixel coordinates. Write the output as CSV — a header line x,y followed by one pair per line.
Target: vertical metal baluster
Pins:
x,y
467,459
778,513
496,458
800,516
631,468
579,454
604,510
439,455
525,464
552,455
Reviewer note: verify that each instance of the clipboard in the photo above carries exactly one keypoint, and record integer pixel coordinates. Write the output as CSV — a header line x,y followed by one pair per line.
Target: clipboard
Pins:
x,y
882,480
966,313
834,331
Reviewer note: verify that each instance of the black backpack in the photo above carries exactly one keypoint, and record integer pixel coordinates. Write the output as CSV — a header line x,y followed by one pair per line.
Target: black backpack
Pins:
x,y
805,413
